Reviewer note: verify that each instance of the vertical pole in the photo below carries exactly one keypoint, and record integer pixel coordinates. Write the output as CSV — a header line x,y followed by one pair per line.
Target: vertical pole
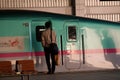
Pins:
x,y
83,49
73,7
30,39
61,48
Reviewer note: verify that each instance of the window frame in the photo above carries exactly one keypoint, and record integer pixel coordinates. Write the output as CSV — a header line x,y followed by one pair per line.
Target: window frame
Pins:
x,y
76,35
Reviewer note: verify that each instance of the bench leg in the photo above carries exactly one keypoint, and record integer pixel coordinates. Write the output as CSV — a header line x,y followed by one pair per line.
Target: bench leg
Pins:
x,y
23,77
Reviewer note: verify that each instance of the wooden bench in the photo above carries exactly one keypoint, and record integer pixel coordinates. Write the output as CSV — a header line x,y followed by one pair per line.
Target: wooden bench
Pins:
x,y
6,68
26,66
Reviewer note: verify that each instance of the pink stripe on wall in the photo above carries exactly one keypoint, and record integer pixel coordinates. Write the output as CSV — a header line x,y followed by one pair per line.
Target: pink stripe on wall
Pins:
x,y
17,54
20,54
89,51
103,51
94,51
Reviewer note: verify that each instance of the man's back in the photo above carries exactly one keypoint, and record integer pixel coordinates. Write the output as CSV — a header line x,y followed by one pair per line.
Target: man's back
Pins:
x,y
47,37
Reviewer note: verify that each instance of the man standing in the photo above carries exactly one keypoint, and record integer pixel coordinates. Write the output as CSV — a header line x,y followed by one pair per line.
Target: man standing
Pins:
x,y
48,37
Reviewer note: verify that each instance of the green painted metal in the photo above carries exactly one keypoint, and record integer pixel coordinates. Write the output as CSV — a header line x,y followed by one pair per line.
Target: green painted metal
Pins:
x,y
17,23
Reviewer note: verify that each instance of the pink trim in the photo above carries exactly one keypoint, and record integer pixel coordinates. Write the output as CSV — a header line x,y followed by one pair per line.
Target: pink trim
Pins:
x,y
103,51
20,54
17,54
89,51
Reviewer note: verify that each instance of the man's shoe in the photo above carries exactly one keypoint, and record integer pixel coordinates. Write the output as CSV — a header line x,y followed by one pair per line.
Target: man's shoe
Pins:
x,y
52,72
48,72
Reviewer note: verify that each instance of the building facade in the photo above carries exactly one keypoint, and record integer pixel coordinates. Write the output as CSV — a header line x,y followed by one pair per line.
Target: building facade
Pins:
x,y
55,6
98,9
106,10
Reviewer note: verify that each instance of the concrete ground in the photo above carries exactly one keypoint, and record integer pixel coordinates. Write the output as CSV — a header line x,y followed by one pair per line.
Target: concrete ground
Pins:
x,y
93,75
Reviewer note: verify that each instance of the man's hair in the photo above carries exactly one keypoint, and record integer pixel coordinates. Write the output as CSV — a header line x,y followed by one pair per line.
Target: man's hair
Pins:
x,y
48,24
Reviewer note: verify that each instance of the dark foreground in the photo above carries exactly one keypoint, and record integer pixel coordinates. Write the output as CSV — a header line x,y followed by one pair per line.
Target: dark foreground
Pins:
x,y
93,75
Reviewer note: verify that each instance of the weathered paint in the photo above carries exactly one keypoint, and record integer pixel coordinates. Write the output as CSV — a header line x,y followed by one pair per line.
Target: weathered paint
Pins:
x,y
101,40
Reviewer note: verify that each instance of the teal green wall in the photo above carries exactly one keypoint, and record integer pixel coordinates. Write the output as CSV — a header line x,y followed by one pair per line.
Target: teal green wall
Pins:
x,y
14,28
21,24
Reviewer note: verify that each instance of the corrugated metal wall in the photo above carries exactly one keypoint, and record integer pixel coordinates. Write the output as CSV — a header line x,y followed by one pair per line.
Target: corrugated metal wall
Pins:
x,y
33,3
98,3
109,17
106,10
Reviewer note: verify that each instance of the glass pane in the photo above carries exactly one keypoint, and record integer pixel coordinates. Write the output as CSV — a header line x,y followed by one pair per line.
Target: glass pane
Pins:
x,y
72,33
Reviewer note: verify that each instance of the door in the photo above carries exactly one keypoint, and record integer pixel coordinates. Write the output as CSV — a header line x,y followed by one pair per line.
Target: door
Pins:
x,y
37,27
72,41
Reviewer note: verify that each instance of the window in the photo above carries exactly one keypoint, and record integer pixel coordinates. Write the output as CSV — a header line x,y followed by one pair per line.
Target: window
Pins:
x,y
39,30
72,33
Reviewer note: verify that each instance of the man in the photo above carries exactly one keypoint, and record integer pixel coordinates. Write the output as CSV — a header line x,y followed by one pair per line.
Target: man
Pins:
x,y
49,36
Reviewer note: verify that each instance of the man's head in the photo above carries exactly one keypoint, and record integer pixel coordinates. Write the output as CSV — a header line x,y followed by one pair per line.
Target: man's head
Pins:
x,y
48,24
